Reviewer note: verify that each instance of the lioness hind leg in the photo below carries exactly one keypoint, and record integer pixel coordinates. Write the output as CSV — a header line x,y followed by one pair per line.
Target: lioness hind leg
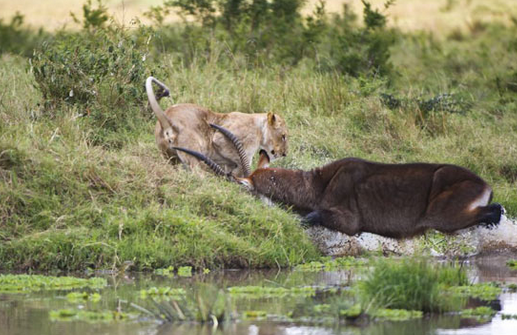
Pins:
x,y
191,140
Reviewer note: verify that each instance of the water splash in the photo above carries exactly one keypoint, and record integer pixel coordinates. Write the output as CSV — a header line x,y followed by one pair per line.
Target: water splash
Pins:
x,y
466,242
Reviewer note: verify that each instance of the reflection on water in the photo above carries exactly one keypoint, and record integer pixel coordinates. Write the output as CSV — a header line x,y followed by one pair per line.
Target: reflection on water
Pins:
x,y
497,325
27,314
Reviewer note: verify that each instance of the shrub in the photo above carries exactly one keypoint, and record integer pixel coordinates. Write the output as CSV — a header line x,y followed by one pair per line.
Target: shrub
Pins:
x,y
105,66
93,18
359,51
260,30
100,70
264,32
15,38
101,73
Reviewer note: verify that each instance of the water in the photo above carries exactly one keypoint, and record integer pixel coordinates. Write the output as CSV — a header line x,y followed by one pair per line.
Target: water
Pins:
x,y
27,314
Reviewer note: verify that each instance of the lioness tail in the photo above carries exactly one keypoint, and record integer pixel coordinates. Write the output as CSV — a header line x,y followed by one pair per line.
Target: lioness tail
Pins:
x,y
162,118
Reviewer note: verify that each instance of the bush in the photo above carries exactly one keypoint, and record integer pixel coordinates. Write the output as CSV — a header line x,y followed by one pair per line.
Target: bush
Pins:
x,y
15,38
264,32
93,18
359,51
100,70
101,73
105,66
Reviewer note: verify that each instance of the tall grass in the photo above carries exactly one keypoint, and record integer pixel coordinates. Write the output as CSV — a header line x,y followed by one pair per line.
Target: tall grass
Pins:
x,y
67,204
79,192
413,284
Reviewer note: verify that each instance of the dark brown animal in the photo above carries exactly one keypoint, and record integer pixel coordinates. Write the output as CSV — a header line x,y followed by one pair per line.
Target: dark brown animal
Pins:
x,y
353,195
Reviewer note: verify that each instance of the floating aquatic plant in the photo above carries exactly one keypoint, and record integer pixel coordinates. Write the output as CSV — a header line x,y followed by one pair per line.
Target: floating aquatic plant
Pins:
x,y
185,271
83,296
395,314
482,313
254,315
512,287
484,291
352,312
169,271
162,292
329,264
27,283
509,316
512,264
89,316
256,292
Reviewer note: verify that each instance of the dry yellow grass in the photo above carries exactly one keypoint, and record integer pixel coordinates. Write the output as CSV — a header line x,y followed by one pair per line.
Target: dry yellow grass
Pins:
x,y
440,16
409,15
54,14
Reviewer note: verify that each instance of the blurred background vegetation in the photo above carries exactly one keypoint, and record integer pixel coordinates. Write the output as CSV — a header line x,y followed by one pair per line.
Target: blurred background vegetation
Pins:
x,y
83,184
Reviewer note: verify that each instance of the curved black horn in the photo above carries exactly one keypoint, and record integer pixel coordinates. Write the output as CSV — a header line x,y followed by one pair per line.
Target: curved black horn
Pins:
x,y
211,164
245,162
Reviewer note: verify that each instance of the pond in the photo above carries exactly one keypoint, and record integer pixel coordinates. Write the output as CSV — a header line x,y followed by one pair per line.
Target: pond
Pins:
x,y
287,309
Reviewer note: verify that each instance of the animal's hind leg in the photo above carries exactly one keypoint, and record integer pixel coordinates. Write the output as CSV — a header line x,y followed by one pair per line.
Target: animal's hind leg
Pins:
x,y
334,219
460,206
490,215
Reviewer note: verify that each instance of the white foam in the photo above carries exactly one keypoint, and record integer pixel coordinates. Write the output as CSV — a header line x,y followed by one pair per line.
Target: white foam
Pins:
x,y
464,243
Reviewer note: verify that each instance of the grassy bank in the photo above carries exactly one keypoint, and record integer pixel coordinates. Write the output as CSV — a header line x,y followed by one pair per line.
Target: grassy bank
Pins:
x,y
78,195
70,205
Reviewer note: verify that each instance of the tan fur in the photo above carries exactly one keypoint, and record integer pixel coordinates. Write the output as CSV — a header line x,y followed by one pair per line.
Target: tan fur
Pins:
x,y
187,126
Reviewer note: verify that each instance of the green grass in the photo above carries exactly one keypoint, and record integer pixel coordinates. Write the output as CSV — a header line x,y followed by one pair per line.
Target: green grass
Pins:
x,y
413,284
71,203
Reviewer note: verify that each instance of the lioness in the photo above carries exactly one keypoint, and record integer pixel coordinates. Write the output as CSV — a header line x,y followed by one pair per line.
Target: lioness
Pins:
x,y
187,126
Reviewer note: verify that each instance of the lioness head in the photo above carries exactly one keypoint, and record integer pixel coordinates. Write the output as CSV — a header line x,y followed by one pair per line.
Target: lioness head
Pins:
x,y
274,143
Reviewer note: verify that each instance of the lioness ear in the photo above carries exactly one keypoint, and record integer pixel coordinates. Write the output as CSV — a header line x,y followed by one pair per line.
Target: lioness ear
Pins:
x,y
271,118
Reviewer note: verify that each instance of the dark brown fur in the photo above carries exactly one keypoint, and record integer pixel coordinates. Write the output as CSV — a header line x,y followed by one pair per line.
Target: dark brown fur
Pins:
x,y
353,195
396,200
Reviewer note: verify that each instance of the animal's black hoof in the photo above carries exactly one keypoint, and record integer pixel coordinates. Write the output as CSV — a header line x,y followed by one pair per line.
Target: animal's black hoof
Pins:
x,y
493,218
490,226
313,218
